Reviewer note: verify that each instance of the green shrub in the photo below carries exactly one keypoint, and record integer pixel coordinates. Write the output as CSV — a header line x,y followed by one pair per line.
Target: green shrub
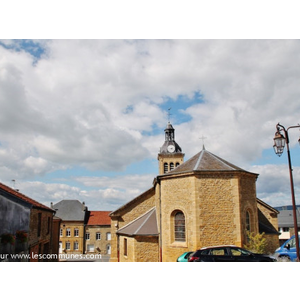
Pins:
x,y
257,243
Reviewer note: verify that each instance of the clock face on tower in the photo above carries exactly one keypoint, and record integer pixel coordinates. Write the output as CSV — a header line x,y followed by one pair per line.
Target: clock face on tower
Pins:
x,y
171,148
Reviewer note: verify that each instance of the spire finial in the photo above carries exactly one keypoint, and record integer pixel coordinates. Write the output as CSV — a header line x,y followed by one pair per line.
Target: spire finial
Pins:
x,y
169,114
203,138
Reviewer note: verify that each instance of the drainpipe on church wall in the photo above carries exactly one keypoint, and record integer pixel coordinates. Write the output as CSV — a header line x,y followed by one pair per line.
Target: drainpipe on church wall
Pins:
x,y
160,226
118,240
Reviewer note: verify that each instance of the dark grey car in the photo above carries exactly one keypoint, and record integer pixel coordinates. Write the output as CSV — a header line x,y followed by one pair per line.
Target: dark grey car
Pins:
x,y
228,254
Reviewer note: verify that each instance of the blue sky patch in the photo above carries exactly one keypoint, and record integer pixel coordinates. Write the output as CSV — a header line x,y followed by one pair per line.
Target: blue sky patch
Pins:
x,y
35,49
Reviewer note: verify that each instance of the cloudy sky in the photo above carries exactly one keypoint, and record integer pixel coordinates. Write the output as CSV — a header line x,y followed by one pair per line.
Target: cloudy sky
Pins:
x,y
84,119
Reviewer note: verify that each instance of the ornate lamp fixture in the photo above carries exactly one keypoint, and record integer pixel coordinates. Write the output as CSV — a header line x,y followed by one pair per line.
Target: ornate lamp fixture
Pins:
x,y
279,143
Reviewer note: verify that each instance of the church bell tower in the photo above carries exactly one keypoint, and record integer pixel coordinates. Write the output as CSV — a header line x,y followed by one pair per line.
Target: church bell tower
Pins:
x,y
170,155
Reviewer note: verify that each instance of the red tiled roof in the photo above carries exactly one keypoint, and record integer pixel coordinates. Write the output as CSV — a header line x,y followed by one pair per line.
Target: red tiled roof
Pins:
x,y
23,197
99,218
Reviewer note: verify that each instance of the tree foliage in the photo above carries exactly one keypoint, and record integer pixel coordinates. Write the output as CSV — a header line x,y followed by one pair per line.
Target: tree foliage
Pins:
x,y
256,242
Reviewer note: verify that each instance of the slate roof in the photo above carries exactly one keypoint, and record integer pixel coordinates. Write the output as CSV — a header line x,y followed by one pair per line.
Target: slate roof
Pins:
x,y
70,210
265,225
286,219
22,198
205,161
146,224
98,218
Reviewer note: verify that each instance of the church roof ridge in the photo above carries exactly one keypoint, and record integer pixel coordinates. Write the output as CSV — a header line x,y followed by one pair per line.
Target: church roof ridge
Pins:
x,y
205,161
222,161
199,159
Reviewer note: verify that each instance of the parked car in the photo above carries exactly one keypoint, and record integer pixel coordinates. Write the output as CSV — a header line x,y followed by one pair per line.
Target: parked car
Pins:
x,y
227,254
287,251
184,257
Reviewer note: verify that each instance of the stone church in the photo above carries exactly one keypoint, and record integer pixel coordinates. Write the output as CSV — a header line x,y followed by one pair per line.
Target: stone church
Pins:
x,y
204,201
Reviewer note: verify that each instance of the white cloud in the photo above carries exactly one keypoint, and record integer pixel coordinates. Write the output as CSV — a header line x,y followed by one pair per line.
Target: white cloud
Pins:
x,y
95,103
102,193
139,182
273,184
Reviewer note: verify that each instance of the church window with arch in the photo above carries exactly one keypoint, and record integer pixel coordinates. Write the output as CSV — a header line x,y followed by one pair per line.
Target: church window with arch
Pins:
x,y
248,221
179,226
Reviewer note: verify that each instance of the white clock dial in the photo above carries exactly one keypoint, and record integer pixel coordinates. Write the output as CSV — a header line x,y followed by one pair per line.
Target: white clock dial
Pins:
x,y
171,148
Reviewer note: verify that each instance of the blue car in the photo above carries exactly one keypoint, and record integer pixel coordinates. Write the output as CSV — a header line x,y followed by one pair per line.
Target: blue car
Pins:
x,y
184,257
287,251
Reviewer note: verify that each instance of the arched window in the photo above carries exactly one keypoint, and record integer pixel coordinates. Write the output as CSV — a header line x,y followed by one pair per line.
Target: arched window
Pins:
x,y
171,166
179,228
248,221
177,164
166,168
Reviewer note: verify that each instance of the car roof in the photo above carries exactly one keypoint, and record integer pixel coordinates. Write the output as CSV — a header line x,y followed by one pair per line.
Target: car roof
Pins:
x,y
219,246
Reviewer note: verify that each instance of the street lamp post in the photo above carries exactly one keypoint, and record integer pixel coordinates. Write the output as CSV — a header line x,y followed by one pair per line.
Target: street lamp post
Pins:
x,y
279,143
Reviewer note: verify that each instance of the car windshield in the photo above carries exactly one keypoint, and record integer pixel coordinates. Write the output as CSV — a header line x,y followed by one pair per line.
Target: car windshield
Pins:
x,y
239,252
292,243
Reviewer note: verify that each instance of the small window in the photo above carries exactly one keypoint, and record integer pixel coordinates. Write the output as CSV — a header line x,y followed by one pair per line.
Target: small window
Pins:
x,y
76,246
125,247
171,166
68,246
61,232
177,164
87,235
108,236
68,232
76,232
98,236
90,248
108,249
39,229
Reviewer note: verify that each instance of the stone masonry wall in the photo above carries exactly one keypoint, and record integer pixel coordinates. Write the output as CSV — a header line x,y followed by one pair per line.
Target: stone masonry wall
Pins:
x,y
139,207
272,239
217,210
100,245
212,203
248,204
177,194
146,249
